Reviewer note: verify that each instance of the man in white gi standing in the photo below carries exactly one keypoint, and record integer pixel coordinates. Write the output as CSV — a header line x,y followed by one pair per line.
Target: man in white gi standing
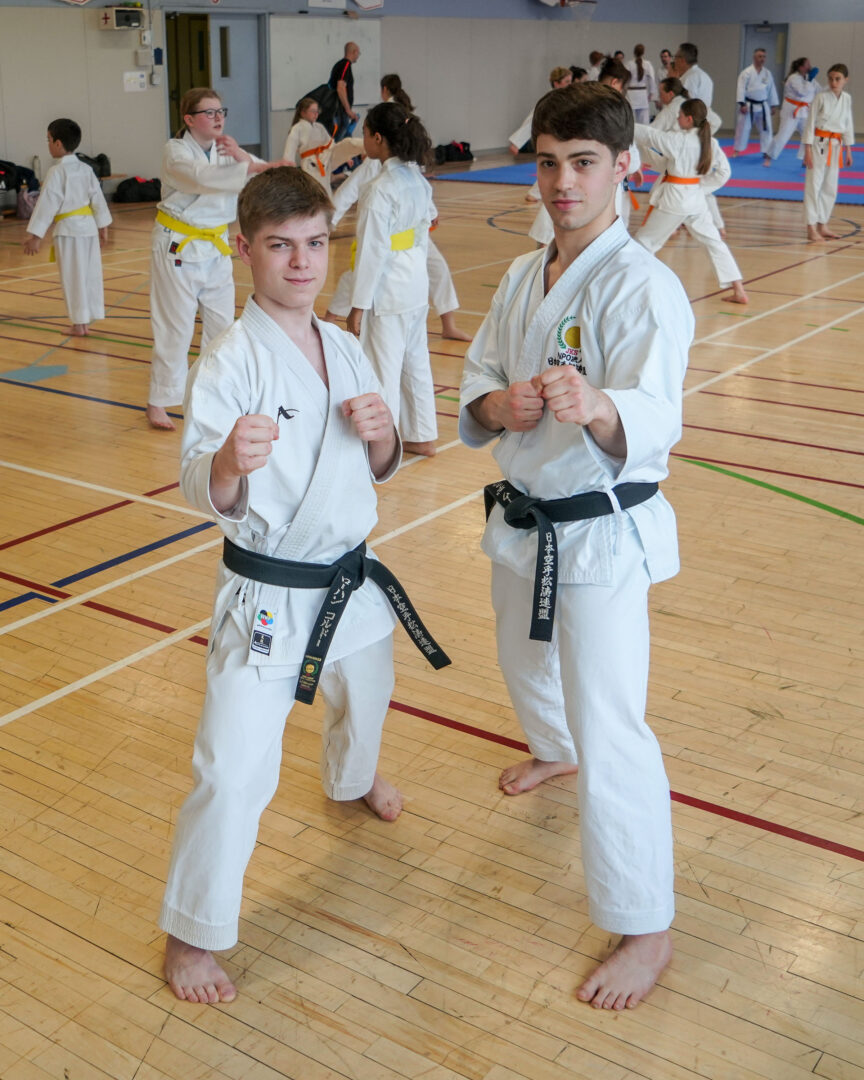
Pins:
x,y
757,101
696,82
577,373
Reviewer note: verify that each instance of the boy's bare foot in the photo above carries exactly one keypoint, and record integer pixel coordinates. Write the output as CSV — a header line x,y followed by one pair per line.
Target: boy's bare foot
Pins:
x,y
531,198
814,235
194,975
159,419
529,773
79,329
450,330
384,799
425,449
629,973
738,295
826,233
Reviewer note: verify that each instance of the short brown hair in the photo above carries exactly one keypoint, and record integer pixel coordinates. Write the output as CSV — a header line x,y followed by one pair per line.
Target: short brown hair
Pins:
x,y
585,111
558,73
190,101
279,194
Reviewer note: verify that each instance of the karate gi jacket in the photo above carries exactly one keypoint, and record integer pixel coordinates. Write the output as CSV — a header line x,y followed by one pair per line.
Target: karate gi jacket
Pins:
x,y
677,153
698,84
623,319
69,185
755,86
255,368
830,113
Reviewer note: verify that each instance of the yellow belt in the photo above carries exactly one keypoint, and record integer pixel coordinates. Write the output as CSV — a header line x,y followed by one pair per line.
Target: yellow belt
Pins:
x,y
215,236
80,211
400,241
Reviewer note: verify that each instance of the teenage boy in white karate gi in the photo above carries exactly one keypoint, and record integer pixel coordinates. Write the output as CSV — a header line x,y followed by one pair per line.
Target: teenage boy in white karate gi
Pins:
x,y
577,373
285,436
72,201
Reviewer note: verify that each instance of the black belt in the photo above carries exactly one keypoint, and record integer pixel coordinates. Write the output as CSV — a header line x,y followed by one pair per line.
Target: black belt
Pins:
x,y
524,512
345,575
752,102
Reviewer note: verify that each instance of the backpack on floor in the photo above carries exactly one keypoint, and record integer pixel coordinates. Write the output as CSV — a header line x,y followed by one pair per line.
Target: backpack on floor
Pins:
x,y
138,189
8,176
100,164
453,151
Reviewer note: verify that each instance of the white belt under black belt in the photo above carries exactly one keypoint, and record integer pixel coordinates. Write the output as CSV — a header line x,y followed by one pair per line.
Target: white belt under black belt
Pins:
x,y
524,512
340,578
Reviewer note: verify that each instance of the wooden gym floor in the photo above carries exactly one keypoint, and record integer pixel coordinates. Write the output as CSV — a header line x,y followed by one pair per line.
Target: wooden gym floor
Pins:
x,y
449,944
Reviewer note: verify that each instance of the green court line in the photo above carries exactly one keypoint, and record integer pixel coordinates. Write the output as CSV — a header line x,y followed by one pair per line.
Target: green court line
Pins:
x,y
736,314
446,398
91,337
777,490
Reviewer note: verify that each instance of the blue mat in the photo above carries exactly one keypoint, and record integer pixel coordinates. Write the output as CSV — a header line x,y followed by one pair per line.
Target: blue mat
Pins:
x,y
750,179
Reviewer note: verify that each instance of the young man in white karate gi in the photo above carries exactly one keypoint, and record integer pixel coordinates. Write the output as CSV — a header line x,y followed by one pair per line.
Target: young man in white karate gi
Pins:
x,y
286,435
576,374
757,101
71,200
827,139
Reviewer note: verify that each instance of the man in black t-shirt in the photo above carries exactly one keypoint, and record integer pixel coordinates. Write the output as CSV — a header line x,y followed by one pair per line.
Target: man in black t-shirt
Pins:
x,y
342,81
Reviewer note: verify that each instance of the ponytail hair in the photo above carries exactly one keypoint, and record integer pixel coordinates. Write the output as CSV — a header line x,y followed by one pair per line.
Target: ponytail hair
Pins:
x,y
302,105
638,53
402,130
393,85
614,69
697,110
190,101
795,69
675,87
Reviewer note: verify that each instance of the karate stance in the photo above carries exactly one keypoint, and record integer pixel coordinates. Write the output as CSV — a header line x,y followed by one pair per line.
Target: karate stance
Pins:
x,y
798,92
827,139
576,374
390,293
190,260
689,159
72,201
309,145
286,435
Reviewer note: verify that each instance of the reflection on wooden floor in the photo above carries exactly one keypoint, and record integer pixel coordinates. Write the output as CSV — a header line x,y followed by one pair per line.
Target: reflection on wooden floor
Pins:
x,y
449,944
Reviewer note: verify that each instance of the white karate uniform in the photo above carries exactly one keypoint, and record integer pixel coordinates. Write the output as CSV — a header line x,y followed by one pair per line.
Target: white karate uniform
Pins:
x,y
313,501
757,91
200,189
522,134
667,120
69,185
641,92
798,94
322,154
698,84
541,229
622,319
442,291
827,113
677,154
392,288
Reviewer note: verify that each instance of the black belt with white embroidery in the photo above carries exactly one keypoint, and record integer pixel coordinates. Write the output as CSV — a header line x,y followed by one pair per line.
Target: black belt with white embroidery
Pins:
x,y
340,579
524,512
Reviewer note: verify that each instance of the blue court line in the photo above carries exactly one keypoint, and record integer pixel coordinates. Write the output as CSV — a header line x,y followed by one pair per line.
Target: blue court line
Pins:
x,y
25,598
99,567
83,397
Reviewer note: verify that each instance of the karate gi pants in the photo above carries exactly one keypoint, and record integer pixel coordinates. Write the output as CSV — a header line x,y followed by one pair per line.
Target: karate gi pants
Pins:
x,y
820,184
442,292
79,261
398,350
235,766
789,123
660,224
744,124
581,697
177,294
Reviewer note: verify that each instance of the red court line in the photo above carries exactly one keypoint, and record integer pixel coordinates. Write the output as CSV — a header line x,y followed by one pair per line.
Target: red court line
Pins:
x,y
799,382
781,270
72,348
761,468
677,796
774,438
790,404
83,517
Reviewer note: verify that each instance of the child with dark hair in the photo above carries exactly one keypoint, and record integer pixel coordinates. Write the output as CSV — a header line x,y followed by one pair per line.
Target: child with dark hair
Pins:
x,y
390,295
799,89
285,439
827,139
688,159
576,377
72,201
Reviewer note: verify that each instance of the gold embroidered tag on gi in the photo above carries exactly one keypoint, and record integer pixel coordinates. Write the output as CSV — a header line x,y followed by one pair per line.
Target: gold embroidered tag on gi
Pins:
x,y
568,339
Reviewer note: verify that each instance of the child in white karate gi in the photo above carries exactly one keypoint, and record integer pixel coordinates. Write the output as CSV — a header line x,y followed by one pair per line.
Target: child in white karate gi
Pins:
x,y
312,148
828,138
798,92
688,158
72,201
390,294
285,437
190,260
576,374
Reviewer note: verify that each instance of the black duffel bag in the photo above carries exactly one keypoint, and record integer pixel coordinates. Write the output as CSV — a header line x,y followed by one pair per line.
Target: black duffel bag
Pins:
x,y
138,189
99,164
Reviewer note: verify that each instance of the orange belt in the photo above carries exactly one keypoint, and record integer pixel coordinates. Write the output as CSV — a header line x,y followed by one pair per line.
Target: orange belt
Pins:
x,y
669,179
831,136
799,105
315,152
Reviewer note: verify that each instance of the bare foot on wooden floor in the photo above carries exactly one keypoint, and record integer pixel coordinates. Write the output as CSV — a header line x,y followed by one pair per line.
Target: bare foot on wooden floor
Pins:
x,y
626,977
194,975
529,773
158,418
384,799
